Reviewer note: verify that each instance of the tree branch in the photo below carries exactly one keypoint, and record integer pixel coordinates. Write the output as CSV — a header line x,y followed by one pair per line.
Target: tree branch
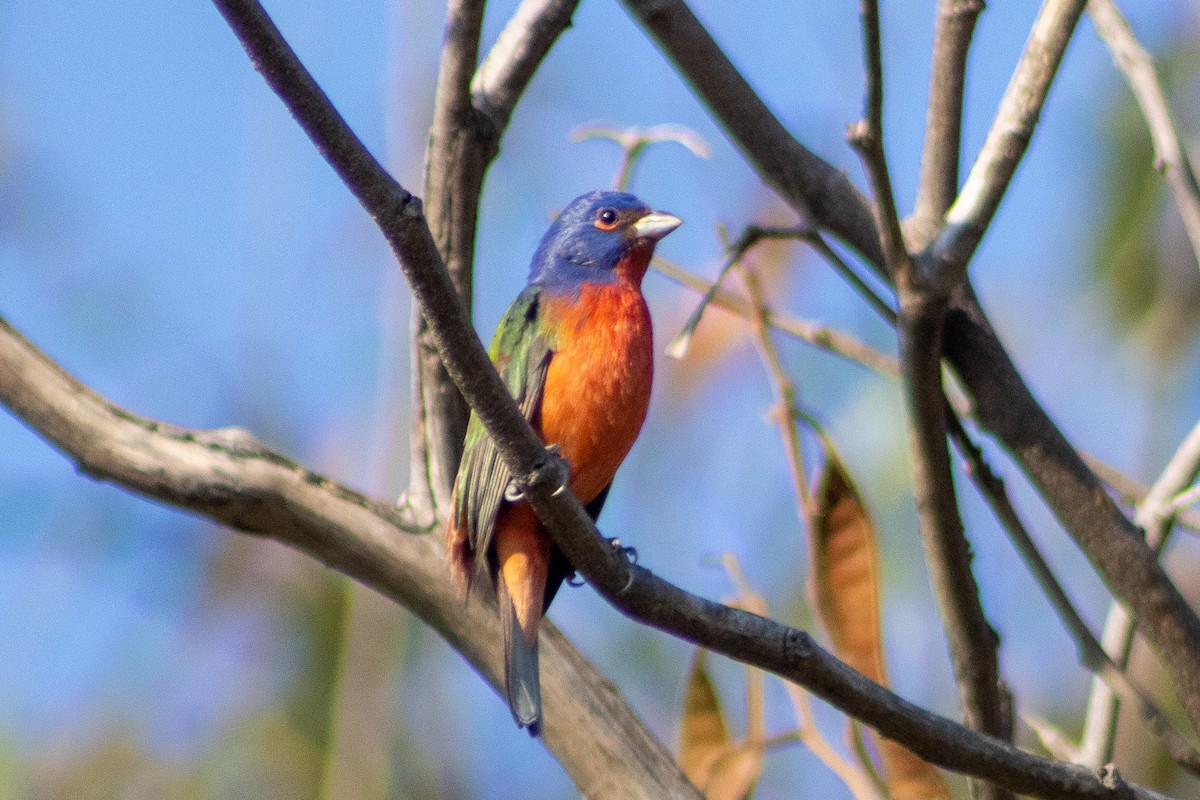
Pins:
x,y
971,214
510,65
943,119
1005,406
820,336
399,217
454,168
1169,156
740,635
986,705
1114,545
471,111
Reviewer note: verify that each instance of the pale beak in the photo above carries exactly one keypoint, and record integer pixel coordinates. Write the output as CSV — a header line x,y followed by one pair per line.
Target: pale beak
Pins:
x,y
656,225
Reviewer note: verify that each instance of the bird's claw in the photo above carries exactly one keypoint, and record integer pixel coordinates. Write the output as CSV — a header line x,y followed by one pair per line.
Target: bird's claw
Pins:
x,y
630,553
515,490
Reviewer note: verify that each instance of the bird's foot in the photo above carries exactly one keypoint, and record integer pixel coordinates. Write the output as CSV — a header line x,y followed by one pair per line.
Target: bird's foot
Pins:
x,y
554,469
630,553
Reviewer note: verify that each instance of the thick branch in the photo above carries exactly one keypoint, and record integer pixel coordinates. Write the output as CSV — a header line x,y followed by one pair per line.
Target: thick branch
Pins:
x,y
986,703
943,119
1004,404
1115,546
1091,653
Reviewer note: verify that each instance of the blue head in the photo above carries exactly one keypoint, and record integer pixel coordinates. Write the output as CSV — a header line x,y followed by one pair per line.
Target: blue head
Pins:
x,y
597,233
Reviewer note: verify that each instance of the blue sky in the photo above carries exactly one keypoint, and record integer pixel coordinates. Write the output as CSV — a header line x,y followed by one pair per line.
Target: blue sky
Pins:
x,y
169,235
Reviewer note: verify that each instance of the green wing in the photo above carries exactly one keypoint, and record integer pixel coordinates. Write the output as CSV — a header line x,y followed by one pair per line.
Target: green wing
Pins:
x,y
521,352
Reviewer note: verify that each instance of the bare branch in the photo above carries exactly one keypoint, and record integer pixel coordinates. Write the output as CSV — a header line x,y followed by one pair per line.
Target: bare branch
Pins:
x,y
795,656
1131,491
943,119
867,137
971,214
1169,157
973,642
515,57
1114,544
826,338
455,164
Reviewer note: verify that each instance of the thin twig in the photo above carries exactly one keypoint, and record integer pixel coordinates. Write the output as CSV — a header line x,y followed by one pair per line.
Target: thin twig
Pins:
x,y
785,394
1169,156
1132,491
867,137
856,780
634,142
824,337
751,236
1156,516
938,183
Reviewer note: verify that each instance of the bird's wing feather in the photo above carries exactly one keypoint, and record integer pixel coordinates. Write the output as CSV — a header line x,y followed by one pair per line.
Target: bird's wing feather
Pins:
x,y
521,351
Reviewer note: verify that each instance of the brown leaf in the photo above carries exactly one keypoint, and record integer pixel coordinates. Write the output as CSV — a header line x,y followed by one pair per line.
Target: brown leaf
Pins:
x,y
722,769
703,736
845,587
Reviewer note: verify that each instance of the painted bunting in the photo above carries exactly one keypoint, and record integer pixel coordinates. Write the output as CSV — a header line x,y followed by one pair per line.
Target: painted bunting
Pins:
x,y
577,352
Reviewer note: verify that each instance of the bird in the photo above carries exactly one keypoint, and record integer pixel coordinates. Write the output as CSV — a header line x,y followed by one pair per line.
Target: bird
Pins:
x,y
576,351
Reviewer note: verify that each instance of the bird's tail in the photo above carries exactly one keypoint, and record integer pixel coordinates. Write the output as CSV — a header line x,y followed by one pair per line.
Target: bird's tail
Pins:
x,y
523,559
521,683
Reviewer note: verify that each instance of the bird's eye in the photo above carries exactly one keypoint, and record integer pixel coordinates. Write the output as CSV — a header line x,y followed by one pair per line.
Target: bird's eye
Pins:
x,y
606,219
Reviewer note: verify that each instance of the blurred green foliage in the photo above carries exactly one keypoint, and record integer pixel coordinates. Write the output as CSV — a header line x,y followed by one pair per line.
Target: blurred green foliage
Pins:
x,y
1143,259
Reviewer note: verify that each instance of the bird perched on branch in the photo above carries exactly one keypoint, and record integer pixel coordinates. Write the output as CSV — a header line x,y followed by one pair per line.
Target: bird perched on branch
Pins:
x,y
576,351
